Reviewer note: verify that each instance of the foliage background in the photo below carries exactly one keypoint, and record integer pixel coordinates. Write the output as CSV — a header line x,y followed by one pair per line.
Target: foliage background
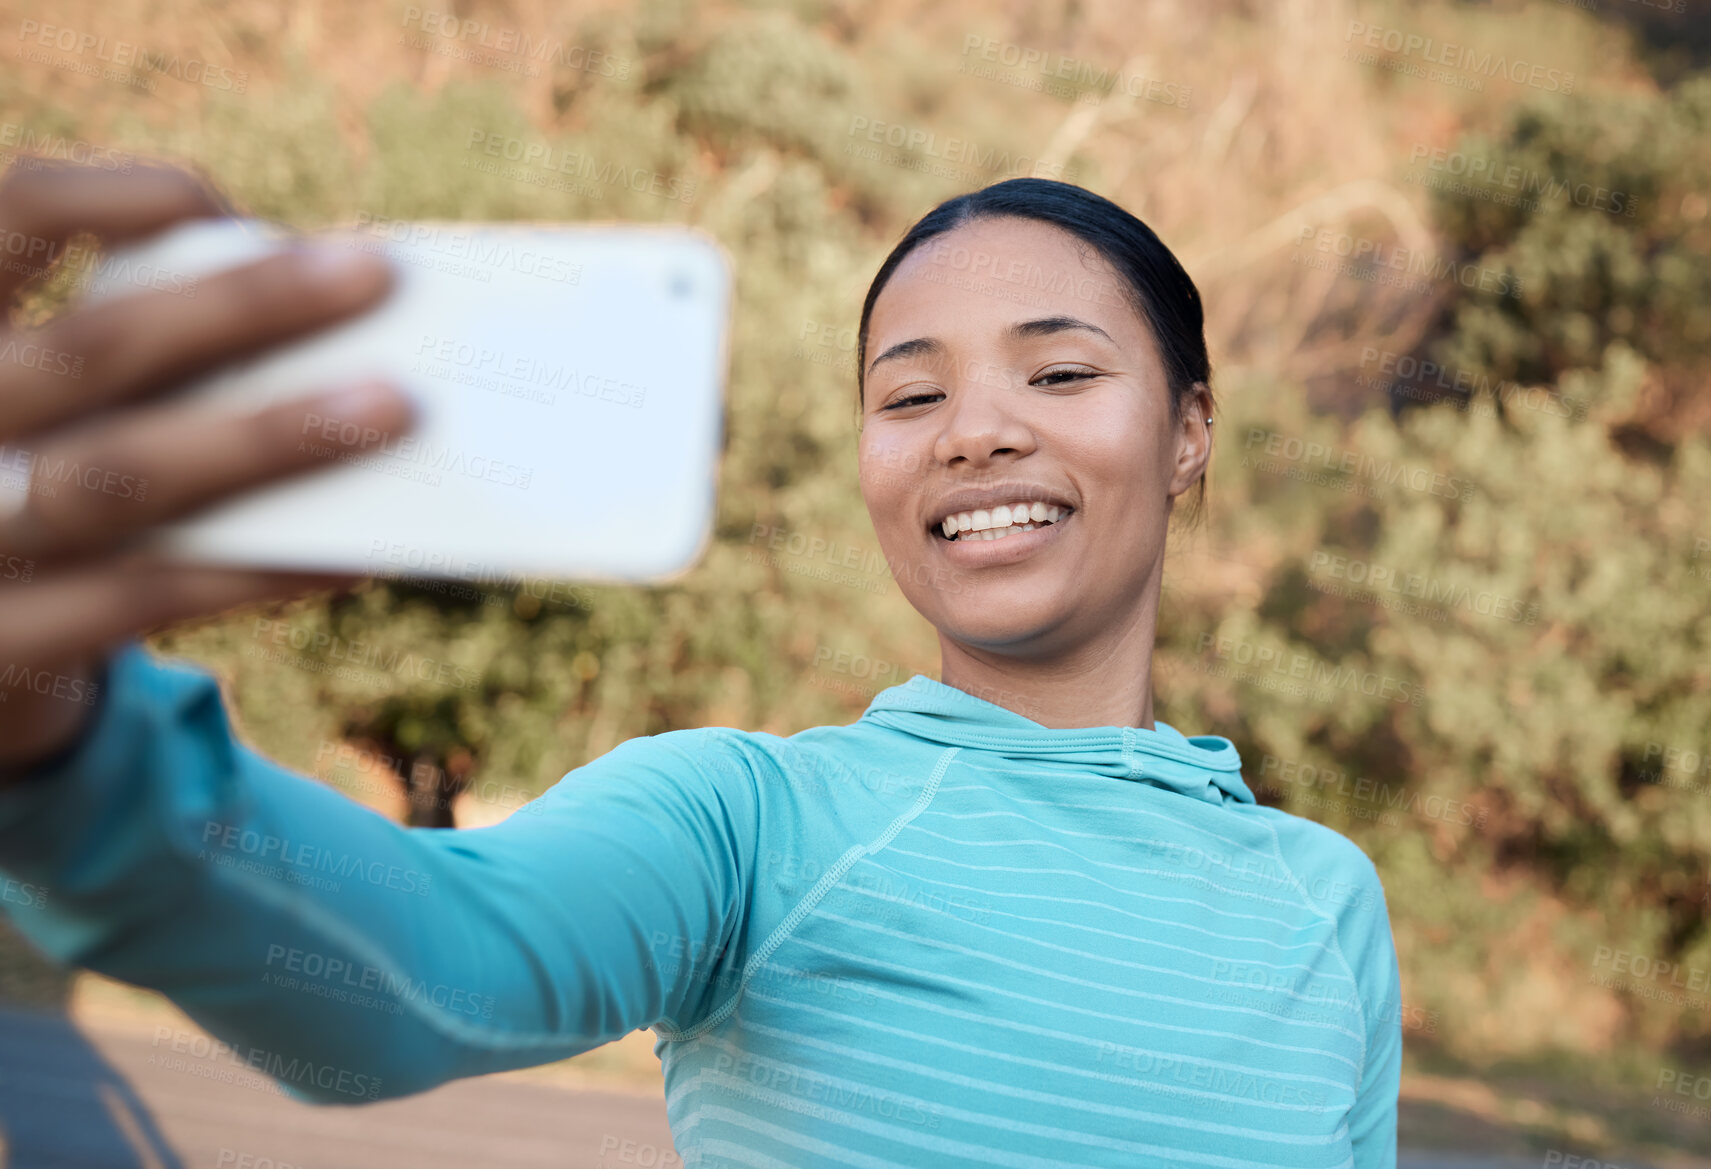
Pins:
x,y
1544,804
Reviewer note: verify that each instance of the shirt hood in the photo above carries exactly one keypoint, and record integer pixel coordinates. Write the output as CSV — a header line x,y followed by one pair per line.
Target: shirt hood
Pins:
x,y
1204,767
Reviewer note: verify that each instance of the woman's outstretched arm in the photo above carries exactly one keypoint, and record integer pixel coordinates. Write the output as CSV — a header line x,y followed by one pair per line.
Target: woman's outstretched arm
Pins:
x,y
346,956
352,958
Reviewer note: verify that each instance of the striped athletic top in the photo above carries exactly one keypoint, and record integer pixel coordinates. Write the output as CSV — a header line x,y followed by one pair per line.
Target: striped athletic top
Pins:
x,y
941,935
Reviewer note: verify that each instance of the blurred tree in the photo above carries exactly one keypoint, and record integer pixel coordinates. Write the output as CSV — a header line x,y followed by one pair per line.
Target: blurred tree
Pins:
x,y
1598,205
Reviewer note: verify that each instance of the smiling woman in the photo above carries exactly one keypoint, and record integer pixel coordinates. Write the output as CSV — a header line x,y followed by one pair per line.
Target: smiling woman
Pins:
x,y
1069,381
1006,918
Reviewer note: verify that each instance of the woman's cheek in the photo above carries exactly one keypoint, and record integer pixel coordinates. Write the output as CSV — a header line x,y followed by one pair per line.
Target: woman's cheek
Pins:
x,y
891,469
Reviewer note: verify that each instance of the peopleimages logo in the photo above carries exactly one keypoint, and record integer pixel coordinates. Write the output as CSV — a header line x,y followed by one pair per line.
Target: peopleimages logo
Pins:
x,y
485,253
46,682
128,55
1477,169
531,155
1465,59
1063,76
222,843
301,1072
1283,450
1375,260
1375,581
1312,674
339,974
33,146
1408,376
487,44
922,144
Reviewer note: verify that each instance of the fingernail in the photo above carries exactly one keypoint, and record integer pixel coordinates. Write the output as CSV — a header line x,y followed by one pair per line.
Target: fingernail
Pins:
x,y
334,265
363,400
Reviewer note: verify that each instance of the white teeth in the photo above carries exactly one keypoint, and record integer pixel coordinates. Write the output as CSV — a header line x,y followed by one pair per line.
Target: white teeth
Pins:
x,y
998,522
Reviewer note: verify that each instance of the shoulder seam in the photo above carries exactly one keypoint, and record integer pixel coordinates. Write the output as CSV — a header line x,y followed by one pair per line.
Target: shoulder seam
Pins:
x,y
812,898
1336,945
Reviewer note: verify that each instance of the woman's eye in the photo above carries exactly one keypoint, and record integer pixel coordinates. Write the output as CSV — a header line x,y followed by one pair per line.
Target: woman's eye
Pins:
x,y
1057,377
911,399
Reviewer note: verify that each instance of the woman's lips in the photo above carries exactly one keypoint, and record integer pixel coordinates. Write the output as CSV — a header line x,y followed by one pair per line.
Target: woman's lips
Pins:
x,y
1006,550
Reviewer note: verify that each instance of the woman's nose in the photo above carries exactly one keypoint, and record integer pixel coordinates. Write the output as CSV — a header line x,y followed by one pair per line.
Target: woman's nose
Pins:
x,y
982,418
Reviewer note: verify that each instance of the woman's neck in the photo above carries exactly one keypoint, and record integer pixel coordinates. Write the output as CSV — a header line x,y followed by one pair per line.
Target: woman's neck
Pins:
x,y
1107,682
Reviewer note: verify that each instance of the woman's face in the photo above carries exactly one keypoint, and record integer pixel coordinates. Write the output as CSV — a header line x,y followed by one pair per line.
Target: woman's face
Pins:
x,y
1006,366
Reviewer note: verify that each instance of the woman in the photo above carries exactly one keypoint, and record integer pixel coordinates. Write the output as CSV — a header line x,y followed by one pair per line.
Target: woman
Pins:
x,y
1007,918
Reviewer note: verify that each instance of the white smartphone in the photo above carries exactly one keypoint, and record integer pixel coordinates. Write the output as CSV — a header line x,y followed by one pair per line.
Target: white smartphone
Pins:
x,y
569,382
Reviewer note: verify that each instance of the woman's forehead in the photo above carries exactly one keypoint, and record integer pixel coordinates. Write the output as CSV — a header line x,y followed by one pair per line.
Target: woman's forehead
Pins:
x,y
996,272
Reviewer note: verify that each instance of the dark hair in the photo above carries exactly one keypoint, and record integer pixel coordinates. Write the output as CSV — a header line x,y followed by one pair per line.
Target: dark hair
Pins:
x,y
1159,289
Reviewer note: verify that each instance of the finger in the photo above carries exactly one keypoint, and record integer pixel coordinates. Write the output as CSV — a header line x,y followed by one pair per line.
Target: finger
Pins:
x,y
129,347
74,613
105,484
44,202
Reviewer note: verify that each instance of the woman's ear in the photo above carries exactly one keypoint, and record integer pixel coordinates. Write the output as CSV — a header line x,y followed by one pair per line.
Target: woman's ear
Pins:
x,y
1194,438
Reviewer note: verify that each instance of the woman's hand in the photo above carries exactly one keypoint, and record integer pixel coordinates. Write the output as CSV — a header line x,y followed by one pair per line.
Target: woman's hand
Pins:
x,y
85,401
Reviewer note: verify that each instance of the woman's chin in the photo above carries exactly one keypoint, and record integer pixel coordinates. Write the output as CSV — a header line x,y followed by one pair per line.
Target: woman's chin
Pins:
x,y
999,623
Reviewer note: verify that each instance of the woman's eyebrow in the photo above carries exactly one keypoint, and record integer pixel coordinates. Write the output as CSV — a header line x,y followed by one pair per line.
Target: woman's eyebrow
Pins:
x,y
1022,330
918,347
1046,326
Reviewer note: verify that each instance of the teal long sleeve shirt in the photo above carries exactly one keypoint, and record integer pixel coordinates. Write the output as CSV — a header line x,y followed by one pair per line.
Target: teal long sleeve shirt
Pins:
x,y
941,935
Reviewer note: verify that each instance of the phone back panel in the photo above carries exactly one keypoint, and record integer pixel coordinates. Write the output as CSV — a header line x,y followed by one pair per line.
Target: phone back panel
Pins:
x,y
570,391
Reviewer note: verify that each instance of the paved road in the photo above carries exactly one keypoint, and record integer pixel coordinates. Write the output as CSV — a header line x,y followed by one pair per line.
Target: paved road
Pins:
x,y
101,1099
104,1100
